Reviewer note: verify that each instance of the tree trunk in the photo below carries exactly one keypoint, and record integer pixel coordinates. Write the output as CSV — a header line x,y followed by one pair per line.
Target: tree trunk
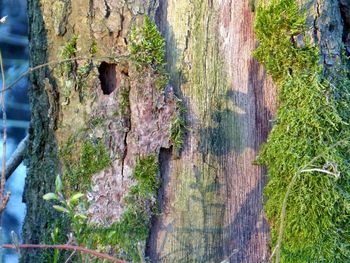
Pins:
x,y
210,194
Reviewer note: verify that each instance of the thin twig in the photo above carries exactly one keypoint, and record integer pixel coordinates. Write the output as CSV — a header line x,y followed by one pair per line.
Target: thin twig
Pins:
x,y
70,256
235,251
283,215
16,158
56,62
272,254
66,247
320,171
141,251
4,127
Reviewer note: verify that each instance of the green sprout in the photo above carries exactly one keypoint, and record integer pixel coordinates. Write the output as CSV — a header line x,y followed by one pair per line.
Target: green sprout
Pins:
x,y
72,207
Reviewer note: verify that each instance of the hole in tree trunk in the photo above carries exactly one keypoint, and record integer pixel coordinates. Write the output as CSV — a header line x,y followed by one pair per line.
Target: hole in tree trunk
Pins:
x,y
108,77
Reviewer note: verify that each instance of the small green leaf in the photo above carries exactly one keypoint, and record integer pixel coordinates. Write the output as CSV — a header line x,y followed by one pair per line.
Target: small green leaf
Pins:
x,y
50,196
60,208
76,197
81,216
58,184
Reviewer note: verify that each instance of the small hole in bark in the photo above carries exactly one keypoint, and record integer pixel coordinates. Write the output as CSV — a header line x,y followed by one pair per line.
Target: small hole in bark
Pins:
x,y
108,77
331,28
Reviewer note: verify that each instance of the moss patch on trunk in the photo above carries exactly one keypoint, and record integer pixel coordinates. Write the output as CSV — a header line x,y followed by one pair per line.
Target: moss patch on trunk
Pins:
x,y
92,158
311,131
128,236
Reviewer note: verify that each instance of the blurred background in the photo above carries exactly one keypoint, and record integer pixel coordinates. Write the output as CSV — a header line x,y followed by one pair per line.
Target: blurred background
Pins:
x,y
14,49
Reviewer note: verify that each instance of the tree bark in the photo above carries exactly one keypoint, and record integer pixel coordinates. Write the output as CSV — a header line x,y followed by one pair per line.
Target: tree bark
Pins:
x,y
211,194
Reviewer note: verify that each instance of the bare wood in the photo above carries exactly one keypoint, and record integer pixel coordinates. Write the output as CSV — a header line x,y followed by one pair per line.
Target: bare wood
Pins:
x,y
230,102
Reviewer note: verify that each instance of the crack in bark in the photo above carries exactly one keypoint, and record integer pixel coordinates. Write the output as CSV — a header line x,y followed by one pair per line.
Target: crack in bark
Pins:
x,y
126,148
125,142
108,9
122,18
344,7
316,29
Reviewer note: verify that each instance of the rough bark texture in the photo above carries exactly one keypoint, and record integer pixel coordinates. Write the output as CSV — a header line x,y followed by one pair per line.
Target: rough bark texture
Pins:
x,y
42,164
211,196
83,101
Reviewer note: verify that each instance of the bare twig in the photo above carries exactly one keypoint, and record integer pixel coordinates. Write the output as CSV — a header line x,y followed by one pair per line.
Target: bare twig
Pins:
x,y
336,175
16,158
283,215
66,247
70,256
272,254
2,185
226,260
141,253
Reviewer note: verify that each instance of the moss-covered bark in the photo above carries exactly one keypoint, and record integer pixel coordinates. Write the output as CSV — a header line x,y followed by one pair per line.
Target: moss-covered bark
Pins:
x,y
303,48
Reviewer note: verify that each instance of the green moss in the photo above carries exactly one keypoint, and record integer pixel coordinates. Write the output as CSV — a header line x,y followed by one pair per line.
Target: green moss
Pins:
x,y
83,71
93,157
147,46
67,69
178,129
133,228
93,48
81,77
147,49
161,79
124,102
312,118
275,26
70,48
96,121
